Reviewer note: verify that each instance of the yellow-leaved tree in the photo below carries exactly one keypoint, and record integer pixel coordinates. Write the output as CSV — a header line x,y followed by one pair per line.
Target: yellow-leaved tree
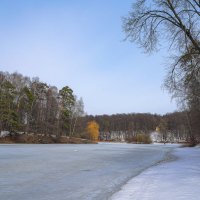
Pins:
x,y
92,130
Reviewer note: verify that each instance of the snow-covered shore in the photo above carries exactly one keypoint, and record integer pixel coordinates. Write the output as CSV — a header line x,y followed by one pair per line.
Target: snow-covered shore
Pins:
x,y
177,180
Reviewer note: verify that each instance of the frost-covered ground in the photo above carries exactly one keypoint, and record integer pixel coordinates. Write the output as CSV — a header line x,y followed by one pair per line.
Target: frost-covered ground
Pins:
x,y
175,180
72,172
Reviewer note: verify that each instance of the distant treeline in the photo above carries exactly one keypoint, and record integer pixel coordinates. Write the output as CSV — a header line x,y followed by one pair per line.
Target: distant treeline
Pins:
x,y
126,126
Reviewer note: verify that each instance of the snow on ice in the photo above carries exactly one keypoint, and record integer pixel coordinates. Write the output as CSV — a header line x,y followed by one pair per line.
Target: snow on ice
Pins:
x,y
177,180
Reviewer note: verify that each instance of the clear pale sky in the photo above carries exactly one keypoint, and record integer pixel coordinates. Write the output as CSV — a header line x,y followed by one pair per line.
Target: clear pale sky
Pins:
x,y
79,43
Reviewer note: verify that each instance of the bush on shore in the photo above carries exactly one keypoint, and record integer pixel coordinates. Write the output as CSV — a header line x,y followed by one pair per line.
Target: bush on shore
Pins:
x,y
140,138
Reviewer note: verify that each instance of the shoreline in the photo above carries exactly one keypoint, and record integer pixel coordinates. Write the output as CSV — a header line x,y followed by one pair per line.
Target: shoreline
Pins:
x,y
169,157
168,179
43,139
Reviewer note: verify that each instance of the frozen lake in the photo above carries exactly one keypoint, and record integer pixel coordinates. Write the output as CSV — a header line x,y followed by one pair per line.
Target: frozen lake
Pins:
x,y
71,172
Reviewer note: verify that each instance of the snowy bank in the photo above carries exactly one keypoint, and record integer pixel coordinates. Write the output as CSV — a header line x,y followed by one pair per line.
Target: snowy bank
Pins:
x,y
177,180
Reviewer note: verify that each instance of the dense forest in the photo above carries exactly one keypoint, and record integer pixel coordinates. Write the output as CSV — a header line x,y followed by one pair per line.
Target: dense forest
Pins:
x,y
32,107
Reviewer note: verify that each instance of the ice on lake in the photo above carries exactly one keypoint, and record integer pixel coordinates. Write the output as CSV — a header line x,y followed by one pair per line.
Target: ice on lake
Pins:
x,y
71,172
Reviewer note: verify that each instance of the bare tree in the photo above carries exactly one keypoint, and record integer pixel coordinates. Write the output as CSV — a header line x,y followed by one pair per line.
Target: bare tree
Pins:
x,y
177,24
183,82
77,111
175,21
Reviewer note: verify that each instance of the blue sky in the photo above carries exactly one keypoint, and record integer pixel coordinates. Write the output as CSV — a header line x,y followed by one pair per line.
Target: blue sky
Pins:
x,y
80,44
